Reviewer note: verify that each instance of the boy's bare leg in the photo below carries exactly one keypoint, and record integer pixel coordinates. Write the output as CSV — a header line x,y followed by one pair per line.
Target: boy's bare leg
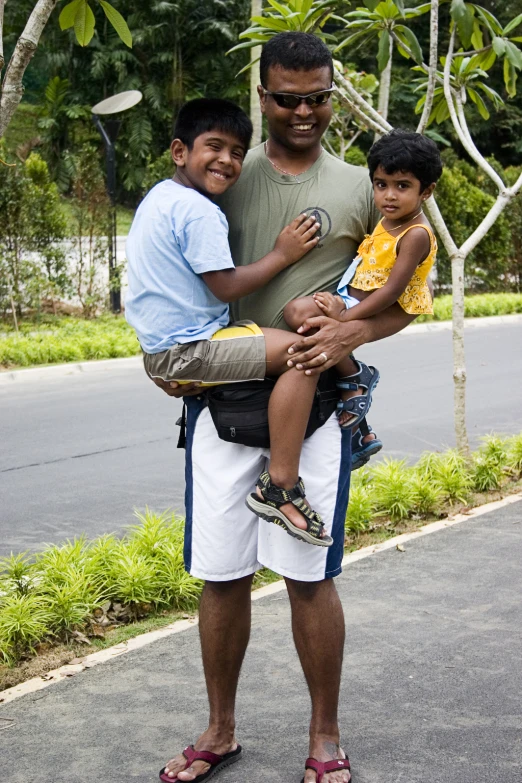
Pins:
x,y
224,628
288,414
295,314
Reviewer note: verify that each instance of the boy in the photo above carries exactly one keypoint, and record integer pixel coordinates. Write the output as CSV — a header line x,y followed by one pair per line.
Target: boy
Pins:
x,y
182,277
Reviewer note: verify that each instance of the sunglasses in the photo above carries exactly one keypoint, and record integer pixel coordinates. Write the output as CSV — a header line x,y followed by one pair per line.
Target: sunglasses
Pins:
x,y
288,100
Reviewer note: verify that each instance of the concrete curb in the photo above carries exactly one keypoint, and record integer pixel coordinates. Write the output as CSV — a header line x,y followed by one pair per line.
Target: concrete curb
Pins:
x,y
102,656
78,368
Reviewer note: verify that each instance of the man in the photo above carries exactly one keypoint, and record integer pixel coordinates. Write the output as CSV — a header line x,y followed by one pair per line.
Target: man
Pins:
x,y
224,543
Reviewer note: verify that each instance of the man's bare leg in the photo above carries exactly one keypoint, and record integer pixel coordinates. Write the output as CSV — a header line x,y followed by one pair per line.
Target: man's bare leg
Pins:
x,y
224,628
318,629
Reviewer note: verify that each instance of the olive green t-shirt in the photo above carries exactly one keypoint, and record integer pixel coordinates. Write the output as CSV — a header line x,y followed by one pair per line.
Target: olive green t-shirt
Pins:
x,y
264,201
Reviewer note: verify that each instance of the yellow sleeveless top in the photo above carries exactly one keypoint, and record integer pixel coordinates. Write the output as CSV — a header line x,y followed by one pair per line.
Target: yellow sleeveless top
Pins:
x,y
378,253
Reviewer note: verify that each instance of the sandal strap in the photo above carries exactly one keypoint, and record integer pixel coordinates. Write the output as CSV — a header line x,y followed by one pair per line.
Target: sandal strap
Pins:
x,y
364,376
277,496
323,767
192,755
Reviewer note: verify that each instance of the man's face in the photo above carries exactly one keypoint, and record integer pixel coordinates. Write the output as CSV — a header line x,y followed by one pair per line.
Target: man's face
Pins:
x,y
301,128
212,165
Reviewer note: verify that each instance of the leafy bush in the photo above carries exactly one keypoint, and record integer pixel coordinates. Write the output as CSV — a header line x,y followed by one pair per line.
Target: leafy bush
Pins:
x,y
449,471
475,306
361,509
32,230
490,464
392,489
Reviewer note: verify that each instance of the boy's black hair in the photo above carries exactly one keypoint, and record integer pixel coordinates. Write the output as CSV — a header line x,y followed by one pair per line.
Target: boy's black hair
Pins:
x,y
402,150
294,51
203,115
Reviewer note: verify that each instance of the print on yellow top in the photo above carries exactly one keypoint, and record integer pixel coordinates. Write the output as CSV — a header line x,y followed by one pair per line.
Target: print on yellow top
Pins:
x,y
378,253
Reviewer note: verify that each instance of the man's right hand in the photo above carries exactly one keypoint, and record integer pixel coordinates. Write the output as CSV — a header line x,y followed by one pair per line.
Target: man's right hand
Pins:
x,y
297,239
177,390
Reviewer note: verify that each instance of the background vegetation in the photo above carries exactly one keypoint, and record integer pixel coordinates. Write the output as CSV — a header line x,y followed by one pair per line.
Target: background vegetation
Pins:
x,y
179,52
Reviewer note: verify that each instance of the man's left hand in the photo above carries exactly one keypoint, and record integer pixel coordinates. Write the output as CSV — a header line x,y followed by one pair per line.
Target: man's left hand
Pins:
x,y
332,342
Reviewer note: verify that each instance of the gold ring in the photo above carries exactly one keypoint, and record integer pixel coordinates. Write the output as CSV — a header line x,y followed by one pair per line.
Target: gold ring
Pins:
x,y
325,356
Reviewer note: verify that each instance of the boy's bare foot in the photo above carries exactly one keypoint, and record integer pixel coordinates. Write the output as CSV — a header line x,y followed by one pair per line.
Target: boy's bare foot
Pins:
x,y
175,768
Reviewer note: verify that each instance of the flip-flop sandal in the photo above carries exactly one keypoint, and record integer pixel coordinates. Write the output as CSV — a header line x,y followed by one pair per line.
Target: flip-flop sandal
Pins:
x,y
322,767
367,378
269,509
362,452
217,763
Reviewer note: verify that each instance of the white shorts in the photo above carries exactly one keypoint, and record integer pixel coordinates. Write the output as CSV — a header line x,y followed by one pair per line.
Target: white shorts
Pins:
x,y
224,540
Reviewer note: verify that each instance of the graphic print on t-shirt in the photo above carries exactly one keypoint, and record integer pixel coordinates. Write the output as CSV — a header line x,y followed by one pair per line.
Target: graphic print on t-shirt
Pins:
x,y
323,218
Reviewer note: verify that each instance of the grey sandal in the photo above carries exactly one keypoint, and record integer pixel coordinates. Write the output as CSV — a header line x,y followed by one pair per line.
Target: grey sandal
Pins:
x,y
270,509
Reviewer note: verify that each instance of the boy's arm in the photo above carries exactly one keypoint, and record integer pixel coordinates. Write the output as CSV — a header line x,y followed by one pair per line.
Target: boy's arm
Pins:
x,y
292,243
413,249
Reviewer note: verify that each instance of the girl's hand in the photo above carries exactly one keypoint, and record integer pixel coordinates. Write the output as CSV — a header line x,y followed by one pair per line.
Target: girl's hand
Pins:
x,y
332,306
297,239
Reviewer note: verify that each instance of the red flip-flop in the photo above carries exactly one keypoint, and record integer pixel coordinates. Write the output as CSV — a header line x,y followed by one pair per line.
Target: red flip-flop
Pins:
x,y
322,767
217,763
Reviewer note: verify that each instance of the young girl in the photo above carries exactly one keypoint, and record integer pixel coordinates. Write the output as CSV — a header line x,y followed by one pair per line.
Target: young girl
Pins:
x,y
393,264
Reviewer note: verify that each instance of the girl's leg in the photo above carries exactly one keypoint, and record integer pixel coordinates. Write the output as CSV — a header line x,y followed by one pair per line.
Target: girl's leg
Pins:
x,y
295,313
288,414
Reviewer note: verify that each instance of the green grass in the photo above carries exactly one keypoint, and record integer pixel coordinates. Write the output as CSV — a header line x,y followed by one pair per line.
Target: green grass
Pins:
x,y
66,339
124,218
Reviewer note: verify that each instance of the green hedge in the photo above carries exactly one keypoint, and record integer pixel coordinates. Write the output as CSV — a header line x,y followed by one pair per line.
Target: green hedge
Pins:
x,y
68,340
475,306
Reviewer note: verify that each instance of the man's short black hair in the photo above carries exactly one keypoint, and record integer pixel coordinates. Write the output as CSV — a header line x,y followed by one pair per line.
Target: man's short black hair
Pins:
x,y
402,150
203,115
294,51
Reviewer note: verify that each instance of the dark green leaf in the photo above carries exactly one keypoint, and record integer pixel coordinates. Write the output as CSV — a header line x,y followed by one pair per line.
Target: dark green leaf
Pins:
x,y
511,26
477,100
464,20
383,53
118,22
84,24
409,38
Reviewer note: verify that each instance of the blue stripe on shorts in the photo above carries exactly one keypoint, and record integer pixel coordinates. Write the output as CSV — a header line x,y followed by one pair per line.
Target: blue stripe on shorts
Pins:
x,y
194,408
336,551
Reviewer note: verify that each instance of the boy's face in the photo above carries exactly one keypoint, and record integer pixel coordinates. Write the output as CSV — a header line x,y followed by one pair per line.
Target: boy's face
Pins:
x,y
398,196
212,165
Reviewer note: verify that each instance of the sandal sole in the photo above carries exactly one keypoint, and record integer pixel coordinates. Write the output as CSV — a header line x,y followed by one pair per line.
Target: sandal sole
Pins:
x,y
364,455
277,517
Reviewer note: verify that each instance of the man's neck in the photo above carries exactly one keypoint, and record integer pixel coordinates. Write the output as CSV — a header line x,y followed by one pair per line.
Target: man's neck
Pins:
x,y
292,161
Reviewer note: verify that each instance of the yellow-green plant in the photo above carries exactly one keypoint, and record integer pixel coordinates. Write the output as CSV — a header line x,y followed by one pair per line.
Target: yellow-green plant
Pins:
x,y
361,511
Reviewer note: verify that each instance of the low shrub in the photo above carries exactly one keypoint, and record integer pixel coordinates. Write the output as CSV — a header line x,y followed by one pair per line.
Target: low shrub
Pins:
x,y
475,306
394,491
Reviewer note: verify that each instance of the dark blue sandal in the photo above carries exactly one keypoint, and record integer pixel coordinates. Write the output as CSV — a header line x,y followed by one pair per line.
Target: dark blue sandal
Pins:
x,y
367,378
362,452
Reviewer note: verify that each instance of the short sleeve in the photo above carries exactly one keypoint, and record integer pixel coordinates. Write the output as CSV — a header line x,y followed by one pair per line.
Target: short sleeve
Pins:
x,y
204,243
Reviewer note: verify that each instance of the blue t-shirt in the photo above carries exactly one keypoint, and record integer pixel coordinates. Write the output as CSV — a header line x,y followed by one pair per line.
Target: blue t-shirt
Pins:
x,y
176,235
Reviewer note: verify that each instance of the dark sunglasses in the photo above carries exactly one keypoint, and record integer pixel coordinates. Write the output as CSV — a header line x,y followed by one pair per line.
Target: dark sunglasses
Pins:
x,y
288,100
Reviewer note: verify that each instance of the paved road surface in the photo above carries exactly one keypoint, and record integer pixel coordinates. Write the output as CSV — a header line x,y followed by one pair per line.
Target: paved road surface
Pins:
x,y
430,692
78,453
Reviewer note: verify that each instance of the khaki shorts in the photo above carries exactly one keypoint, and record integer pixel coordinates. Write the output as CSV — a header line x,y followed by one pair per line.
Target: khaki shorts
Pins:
x,y
236,353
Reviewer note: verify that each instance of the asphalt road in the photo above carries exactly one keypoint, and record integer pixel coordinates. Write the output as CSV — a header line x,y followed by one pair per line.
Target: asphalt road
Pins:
x,y
79,452
430,691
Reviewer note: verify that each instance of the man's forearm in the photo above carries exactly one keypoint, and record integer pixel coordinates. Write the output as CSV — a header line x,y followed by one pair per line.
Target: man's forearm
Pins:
x,y
391,321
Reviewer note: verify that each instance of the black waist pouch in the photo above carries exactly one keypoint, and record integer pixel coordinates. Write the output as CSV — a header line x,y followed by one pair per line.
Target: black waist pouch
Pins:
x,y
240,410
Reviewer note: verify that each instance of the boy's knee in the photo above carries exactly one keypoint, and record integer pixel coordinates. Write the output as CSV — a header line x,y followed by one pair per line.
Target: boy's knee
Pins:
x,y
296,312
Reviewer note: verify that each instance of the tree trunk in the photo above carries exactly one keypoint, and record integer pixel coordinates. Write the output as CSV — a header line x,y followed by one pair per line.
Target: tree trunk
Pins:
x,y
255,109
459,358
12,86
